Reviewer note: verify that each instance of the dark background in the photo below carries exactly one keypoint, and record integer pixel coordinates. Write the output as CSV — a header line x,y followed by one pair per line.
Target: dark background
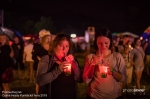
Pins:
x,y
117,15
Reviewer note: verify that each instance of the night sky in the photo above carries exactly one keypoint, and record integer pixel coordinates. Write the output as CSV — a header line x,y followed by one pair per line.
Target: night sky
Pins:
x,y
118,16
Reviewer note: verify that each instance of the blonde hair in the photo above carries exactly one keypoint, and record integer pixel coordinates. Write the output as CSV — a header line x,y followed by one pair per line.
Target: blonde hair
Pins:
x,y
7,39
42,41
44,32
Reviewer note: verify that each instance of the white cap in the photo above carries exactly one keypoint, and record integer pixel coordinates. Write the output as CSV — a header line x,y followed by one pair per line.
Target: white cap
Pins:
x,y
43,33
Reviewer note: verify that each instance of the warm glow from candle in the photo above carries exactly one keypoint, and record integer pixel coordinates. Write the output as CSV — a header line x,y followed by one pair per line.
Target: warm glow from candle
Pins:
x,y
67,69
105,69
141,38
129,46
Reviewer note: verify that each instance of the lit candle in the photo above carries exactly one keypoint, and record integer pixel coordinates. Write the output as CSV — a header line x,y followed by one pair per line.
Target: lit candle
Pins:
x,y
104,68
104,72
67,69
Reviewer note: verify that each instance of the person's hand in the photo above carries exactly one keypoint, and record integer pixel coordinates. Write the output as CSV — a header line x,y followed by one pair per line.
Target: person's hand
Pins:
x,y
69,58
96,59
38,58
11,54
62,65
111,70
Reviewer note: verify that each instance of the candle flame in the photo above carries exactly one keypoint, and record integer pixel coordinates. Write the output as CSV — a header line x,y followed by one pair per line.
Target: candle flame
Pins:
x,y
105,69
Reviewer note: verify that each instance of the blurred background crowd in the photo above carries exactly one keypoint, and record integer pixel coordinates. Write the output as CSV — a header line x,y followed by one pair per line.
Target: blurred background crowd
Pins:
x,y
17,52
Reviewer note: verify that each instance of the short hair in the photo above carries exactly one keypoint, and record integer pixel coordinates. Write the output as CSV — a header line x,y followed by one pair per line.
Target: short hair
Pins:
x,y
60,37
103,32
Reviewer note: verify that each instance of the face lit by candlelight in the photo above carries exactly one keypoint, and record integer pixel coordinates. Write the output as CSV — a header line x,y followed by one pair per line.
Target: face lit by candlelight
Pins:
x,y
62,48
103,43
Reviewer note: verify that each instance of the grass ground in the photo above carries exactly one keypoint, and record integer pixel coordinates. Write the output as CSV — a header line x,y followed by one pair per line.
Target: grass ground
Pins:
x,y
29,88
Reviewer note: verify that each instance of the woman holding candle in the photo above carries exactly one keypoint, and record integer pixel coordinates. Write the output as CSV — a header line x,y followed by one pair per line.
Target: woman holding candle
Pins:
x,y
104,61
52,68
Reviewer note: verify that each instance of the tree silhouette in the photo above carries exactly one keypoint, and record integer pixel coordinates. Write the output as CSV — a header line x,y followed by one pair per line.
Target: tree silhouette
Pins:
x,y
45,23
28,25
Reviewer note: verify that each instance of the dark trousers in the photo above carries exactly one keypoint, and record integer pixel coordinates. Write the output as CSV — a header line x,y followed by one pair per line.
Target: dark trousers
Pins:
x,y
19,62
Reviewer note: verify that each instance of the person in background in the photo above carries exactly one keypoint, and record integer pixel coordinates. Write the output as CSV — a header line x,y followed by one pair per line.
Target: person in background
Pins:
x,y
102,86
35,41
53,75
121,40
115,44
138,61
18,47
41,49
27,58
147,57
6,64
125,49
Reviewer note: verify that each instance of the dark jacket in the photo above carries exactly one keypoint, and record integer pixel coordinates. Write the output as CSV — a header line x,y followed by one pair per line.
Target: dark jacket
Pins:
x,y
18,53
47,73
5,59
38,50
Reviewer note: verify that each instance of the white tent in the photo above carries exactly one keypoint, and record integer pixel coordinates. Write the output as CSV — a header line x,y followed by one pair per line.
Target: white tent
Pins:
x,y
131,34
126,33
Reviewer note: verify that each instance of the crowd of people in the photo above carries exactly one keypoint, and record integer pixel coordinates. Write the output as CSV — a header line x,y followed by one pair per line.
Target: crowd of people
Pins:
x,y
107,71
